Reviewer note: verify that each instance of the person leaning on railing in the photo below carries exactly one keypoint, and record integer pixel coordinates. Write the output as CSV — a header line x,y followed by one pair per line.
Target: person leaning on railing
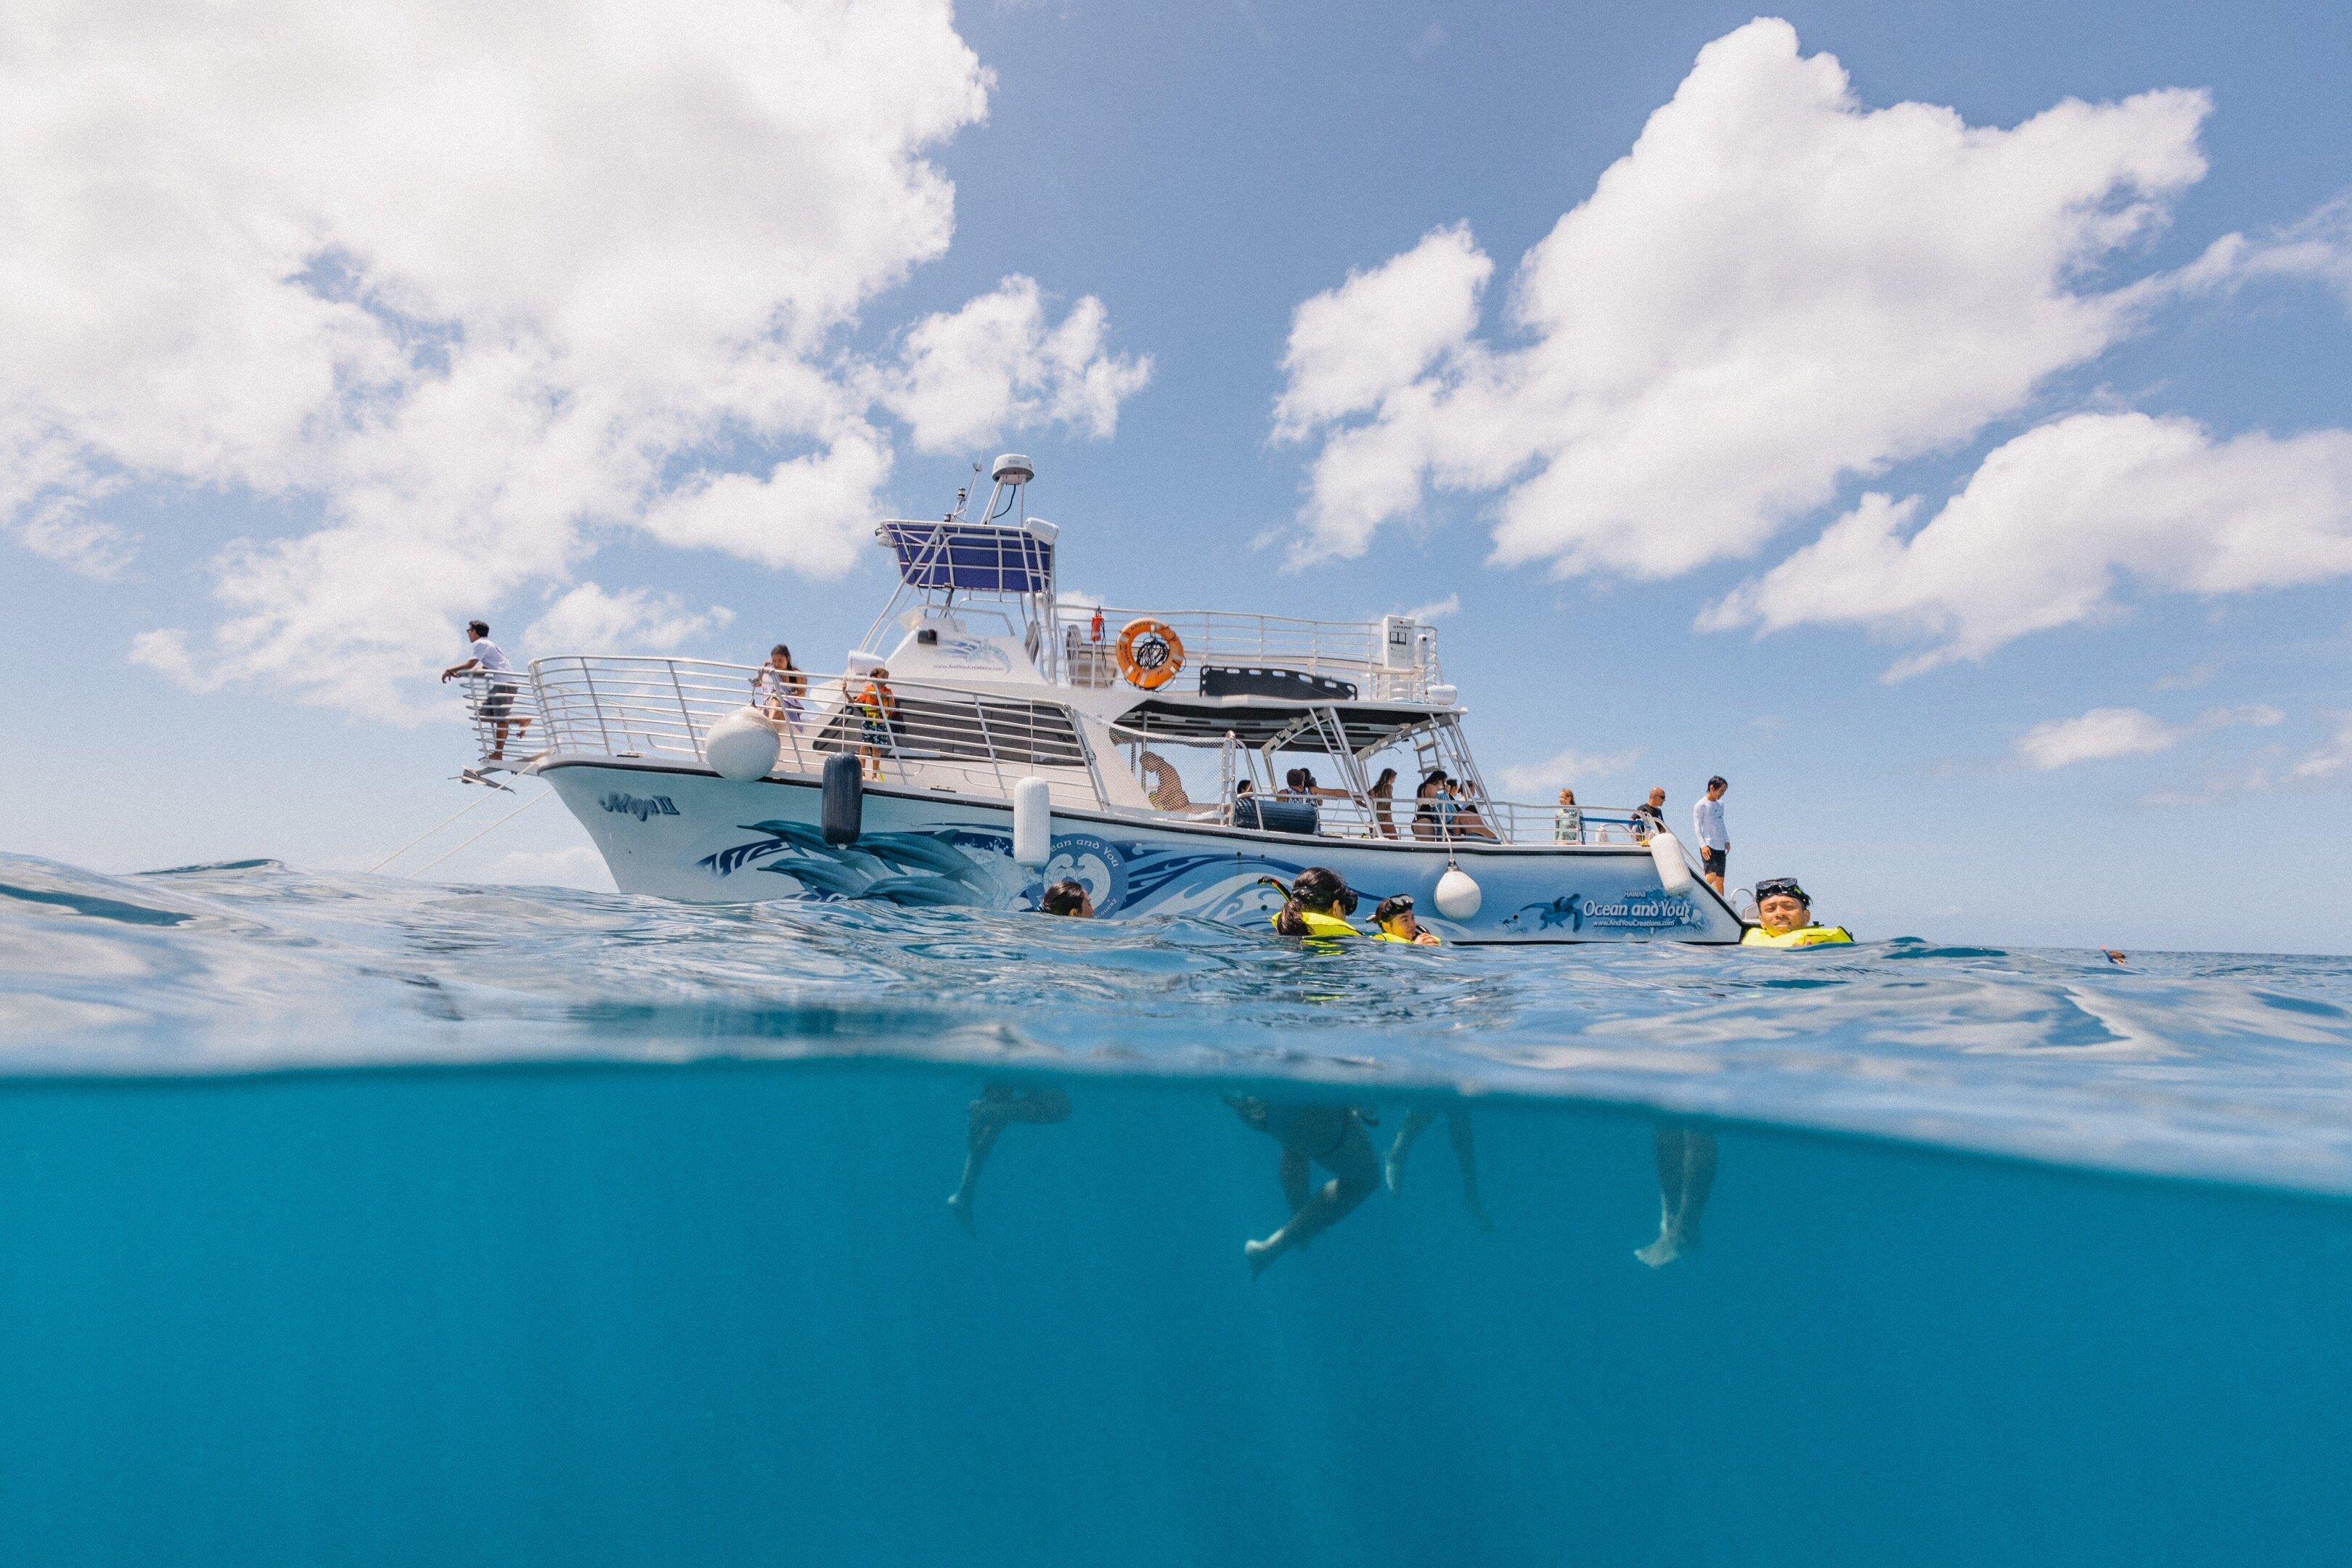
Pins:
x,y
781,687
1568,822
1383,798
1433,807
487,660
1467,821
877,707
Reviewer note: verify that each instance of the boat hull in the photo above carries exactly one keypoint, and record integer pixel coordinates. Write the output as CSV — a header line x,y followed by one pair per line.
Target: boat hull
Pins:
x,y
679,834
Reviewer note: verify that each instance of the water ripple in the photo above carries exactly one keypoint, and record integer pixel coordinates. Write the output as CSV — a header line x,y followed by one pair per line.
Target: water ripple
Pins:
x,y
2226,1067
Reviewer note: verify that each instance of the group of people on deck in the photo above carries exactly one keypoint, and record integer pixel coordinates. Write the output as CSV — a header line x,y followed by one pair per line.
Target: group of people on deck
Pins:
x,y
1444,808
1649,819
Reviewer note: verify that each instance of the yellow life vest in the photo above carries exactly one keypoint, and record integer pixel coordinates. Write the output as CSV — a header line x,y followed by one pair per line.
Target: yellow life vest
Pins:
x,y
1409,941
1320,925
1797,936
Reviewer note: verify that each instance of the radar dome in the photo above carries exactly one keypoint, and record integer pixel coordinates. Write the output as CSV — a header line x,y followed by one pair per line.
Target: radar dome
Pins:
x,y
1011,468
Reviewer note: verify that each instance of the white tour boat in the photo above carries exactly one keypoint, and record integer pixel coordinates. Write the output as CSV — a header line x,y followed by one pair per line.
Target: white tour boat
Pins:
x,y
988,740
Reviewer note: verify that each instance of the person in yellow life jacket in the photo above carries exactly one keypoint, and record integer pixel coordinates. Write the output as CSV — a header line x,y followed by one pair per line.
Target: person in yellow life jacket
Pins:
x,y
1317,905
877,711
1396,923
1784,917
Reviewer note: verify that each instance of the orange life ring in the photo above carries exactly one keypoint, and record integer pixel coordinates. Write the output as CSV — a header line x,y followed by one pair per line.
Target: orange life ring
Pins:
x,y
1150,652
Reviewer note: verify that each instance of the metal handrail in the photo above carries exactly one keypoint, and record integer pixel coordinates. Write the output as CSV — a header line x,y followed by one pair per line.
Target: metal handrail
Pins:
x,y
911,732
1354,651
939,738
1513,823
485,709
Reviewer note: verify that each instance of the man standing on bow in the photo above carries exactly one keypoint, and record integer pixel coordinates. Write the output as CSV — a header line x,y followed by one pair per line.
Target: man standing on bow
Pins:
x,y
1707,823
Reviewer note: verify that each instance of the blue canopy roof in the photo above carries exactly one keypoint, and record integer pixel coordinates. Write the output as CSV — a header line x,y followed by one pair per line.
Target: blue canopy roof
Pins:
x,y
972,557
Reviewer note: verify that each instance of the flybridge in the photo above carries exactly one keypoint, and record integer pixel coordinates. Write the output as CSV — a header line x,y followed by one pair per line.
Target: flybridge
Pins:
x,y
972,557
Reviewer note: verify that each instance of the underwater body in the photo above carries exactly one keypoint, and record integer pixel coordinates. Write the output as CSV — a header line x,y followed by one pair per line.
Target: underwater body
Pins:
x,y
350,1220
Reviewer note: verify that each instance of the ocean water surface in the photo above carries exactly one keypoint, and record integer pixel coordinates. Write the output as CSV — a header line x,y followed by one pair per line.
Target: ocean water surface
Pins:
x,y
353,1220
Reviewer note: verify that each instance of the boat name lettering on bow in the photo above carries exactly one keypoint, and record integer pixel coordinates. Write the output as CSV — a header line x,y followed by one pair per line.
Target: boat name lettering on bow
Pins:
x,y
639,806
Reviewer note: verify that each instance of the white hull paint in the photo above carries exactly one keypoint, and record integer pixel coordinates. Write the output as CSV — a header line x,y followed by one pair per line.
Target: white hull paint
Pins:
x,y
686,835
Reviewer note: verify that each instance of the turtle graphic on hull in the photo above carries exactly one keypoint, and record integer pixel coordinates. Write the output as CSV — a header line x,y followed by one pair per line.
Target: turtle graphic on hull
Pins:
x,y
1568,910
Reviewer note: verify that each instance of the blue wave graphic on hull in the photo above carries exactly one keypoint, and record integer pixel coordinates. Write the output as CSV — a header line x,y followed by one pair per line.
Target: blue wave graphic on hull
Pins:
x,y
974,866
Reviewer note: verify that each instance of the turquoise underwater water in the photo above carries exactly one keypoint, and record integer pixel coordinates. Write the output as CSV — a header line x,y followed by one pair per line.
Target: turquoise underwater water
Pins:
x,y
354,1221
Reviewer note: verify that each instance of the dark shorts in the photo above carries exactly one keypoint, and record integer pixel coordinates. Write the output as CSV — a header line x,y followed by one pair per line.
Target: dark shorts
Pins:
x,y
1711,861
499,703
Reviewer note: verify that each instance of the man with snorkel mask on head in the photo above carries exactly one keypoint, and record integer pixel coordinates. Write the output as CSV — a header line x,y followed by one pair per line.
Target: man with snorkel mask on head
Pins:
x,y
1784,918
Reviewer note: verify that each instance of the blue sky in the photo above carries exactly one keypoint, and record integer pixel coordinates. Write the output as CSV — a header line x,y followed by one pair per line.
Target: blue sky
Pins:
x,y
1200,175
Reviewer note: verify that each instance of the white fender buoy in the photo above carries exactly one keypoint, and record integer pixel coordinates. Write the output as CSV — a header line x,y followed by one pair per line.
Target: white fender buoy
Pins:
x,y
740,746
1032,823
1458,894
1674,871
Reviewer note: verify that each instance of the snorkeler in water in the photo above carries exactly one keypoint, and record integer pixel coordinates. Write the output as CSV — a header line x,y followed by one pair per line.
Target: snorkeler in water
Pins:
x,y
1331,1136
1466,1154
1686,1159
1000,1105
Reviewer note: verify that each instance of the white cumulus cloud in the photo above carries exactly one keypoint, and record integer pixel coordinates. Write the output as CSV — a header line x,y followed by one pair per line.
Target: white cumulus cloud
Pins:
x,y
2099,735
1568,770
1777,288
1351,346
469,289
999,362
2104,733
589,619
2056,523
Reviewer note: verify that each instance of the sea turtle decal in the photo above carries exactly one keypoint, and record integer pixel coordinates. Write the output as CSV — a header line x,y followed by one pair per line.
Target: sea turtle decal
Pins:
x,y
1567,909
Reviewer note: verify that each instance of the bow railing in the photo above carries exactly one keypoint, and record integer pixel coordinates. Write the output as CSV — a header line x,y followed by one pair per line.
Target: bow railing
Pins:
x,y
903,731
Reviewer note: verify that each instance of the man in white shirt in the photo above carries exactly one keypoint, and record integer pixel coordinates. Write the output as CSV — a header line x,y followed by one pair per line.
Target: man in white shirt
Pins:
x,y
1714,843
497,701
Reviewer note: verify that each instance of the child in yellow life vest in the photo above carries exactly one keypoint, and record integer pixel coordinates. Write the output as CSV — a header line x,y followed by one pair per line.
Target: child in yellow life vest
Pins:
x,y
1317,905
1784,916
1394,919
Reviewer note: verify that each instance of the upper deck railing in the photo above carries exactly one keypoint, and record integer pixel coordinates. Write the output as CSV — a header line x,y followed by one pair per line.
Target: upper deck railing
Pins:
x,y
1356,652
1492,822
918,735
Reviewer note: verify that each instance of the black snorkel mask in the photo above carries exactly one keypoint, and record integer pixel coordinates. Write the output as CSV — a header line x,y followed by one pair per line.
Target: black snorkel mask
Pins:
x,y
1781,888
1345,903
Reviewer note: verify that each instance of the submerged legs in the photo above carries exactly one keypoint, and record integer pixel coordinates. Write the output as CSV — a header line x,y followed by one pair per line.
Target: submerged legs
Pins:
x,y
1465,1156
1685,1160
1326,1135
998,1107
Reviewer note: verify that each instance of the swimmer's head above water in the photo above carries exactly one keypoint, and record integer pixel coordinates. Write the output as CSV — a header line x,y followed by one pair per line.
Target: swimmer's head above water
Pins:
x,y
1781,905
1395,918
1316,891
1068,897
